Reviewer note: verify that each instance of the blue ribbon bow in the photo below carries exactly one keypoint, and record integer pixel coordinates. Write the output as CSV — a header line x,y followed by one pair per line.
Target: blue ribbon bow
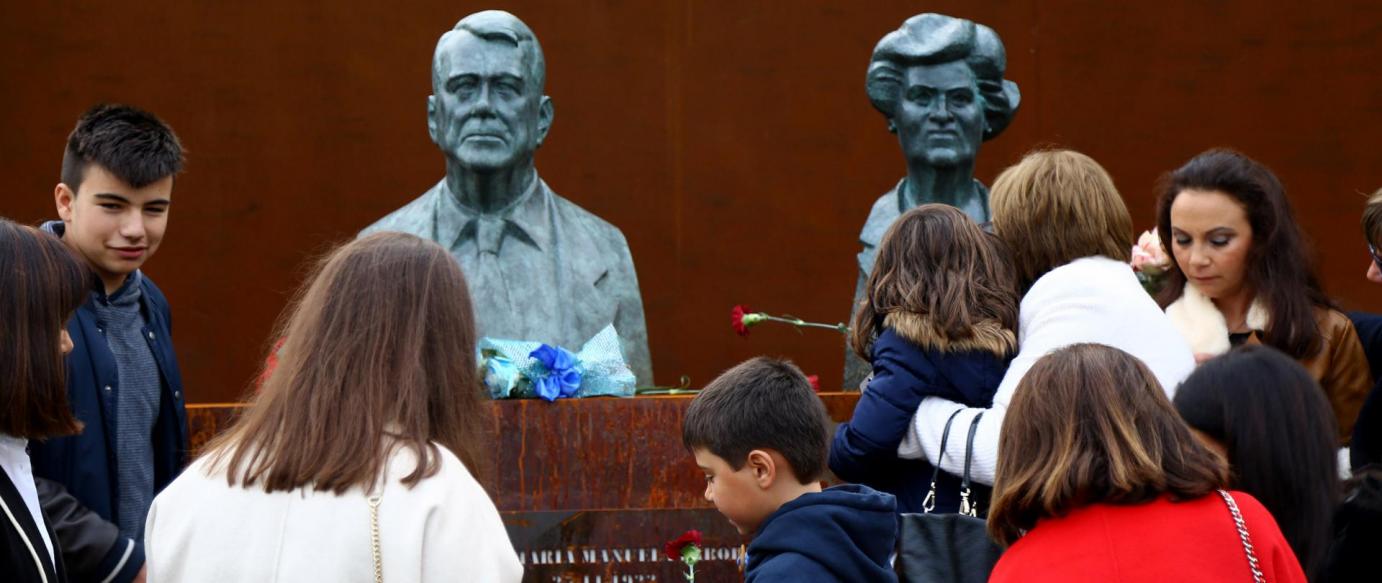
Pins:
x,y
563,376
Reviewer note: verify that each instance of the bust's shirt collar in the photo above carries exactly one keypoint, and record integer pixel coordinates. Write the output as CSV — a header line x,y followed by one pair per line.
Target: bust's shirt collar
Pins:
x,y
523,219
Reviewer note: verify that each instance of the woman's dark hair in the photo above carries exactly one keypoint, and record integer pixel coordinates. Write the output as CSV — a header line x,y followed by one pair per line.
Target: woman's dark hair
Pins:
x,y
1279,269
43,283
379,353
1279,433
1089,424
935,261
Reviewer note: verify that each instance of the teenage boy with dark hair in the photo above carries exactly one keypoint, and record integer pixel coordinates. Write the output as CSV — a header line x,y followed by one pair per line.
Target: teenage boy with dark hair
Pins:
x,y
122,376
761,436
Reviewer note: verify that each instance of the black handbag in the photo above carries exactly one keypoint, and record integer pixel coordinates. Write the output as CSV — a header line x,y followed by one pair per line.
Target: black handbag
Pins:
x,y
946,548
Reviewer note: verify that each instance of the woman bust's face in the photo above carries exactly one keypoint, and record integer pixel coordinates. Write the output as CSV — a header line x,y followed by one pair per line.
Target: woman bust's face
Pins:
x,y
1210,239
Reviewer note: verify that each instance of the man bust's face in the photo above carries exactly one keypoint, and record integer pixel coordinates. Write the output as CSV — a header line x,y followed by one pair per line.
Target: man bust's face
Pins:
x,y
485,114
940,118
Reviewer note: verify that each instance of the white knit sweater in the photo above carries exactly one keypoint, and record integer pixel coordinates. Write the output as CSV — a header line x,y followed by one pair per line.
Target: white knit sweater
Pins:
x,y
1094,299
443,529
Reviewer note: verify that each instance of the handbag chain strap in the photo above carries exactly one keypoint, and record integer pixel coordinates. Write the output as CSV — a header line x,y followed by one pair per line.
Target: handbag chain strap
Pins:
x,y
374,538
1257,576
966,507
929,503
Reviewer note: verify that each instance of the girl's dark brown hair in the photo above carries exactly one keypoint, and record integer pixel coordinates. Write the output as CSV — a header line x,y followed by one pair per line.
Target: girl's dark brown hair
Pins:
x,y
379,353
936,262
44,282
1089,424
1279,434
1279,267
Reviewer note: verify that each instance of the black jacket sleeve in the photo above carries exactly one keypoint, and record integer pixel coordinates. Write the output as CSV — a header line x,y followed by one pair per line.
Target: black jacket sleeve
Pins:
x,y
92,548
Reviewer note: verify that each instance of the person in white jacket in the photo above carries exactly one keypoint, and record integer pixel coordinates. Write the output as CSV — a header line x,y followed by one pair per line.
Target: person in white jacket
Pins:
x,y
1071,237
356,461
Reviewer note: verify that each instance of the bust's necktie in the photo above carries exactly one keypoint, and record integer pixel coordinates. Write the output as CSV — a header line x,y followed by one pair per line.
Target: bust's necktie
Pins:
x,y
489,234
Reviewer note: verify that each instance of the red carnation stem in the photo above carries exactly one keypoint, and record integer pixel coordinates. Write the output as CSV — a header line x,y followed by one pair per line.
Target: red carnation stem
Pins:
x,y
804,324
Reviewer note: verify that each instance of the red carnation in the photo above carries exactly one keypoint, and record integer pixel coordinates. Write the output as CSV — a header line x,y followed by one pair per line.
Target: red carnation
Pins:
x,y
815,381
690,537
736,318
742,319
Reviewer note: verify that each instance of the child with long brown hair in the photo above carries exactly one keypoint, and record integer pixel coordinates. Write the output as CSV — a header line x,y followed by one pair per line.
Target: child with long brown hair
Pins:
x,y
939,319
358,456
42,283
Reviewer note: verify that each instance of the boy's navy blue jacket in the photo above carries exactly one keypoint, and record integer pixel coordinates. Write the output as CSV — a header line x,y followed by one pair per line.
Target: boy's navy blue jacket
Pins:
x,y
913,360
84,464
846,533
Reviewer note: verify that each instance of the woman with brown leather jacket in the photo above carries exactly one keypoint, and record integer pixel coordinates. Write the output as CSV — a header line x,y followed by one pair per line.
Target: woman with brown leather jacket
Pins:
x,y
1240,275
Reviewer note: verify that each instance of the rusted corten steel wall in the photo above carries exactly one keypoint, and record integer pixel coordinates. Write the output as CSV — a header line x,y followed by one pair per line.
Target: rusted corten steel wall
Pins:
x,y
575,454
731,141
591,487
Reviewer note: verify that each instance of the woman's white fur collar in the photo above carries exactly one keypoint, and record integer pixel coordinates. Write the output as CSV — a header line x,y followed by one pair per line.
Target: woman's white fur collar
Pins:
x,y
1203,326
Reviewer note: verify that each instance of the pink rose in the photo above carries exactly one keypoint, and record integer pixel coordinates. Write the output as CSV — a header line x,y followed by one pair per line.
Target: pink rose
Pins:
x,y
1148,256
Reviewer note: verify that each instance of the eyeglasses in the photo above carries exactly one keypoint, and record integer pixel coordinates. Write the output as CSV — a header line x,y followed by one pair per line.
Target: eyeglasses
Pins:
x,y
1376,259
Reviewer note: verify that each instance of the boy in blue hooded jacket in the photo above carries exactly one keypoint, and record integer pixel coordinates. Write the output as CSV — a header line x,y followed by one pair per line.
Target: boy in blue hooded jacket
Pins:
x,y
761,435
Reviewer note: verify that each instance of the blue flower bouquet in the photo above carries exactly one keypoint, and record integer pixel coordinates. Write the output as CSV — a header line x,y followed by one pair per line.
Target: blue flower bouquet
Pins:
x,y
525,369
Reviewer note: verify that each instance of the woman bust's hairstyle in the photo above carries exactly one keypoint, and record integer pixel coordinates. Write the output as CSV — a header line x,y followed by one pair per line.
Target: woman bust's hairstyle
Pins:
x,y
934,261
44,282
1279,269
1089,424
1279,432
929,39
1056,206
379,353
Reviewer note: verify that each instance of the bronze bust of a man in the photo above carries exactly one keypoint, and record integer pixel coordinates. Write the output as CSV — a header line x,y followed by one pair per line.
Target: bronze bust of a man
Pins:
x,y
539,267
938,81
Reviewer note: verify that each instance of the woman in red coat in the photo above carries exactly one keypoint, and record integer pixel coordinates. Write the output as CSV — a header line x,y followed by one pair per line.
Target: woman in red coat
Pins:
x,y
1098,479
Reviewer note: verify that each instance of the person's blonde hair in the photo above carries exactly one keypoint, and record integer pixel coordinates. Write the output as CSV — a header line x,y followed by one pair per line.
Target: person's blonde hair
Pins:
x,y
379,354
1089,424
1056,206
1372,219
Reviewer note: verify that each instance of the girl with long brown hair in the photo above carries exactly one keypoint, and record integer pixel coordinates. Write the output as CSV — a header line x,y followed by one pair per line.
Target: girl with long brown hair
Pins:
x,y
1098,479
939,318
42,283
357,460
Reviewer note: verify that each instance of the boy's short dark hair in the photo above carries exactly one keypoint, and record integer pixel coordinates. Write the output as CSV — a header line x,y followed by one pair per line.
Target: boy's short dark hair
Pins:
x,y
134,145
763,403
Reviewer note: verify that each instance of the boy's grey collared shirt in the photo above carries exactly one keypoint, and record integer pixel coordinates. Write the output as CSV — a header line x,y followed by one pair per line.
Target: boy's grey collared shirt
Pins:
x,y
121,320
541,269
